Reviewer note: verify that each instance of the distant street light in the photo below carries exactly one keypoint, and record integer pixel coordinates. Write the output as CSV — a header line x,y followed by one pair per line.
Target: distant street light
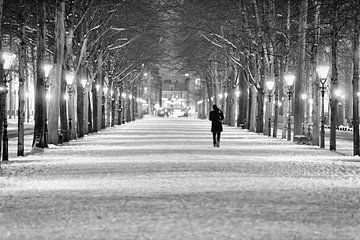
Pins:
x,y
269,86
105,89
322,73
47,69
289,80
83,82
338,93
8,59
69,80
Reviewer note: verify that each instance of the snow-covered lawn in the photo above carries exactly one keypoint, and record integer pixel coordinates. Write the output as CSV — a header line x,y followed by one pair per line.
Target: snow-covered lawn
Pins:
x,y
161,178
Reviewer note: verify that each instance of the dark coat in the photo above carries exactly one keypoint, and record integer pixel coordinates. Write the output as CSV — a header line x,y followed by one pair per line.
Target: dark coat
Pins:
x,y
216,117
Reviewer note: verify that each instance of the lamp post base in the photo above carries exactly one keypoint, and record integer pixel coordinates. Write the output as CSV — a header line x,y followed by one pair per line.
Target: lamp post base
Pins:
x,y
5,156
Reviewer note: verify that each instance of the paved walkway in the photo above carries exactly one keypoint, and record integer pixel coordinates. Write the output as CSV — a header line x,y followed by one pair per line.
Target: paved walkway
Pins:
x,y
161,178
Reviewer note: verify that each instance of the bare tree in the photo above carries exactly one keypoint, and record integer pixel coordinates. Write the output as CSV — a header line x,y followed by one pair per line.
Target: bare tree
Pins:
x,y
355,80
39,118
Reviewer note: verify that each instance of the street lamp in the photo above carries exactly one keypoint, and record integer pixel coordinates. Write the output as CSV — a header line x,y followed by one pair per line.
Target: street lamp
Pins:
x,y
322,74
47,69
105,89
83,82
289,80
269,86
69,81
8,59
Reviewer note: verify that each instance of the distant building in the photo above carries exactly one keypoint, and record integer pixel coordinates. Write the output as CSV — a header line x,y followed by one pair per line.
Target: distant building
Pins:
x,y
177,90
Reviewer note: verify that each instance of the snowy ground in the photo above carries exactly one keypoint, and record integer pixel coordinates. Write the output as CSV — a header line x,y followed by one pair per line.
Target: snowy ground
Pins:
x,y
161,178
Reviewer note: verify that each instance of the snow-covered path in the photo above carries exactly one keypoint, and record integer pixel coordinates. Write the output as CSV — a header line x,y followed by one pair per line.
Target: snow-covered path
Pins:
x,y
161,178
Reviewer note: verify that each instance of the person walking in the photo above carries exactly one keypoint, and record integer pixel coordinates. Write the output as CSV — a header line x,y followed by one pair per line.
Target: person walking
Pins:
x,y
216,117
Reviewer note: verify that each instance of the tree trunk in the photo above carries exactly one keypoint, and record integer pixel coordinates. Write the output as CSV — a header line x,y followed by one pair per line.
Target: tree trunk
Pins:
x,y
63,106
81,90
112,105
276,97
285,103
108,101
2,82
95,100
80,106
22,63
131,103
39,128
72,91
284,67
260,109
55,87
316,86
334,80
100,105
252,109
27,90
86,109
232,107
243,100
355,83
299,116
119,107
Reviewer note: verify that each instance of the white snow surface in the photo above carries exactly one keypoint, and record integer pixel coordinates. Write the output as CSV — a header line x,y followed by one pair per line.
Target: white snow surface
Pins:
x,y
160,178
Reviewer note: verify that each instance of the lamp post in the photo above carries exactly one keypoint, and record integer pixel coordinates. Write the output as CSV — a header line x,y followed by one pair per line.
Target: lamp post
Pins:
x,y
289,80
269,86
69,82
47,69
83,123
8,59
322,74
